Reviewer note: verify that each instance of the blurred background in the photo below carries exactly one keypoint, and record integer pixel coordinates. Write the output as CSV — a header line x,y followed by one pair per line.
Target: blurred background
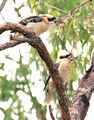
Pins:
x,y
22,71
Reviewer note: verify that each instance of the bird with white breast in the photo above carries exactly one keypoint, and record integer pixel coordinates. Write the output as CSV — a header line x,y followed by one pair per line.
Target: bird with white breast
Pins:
x,y
39,24
64,61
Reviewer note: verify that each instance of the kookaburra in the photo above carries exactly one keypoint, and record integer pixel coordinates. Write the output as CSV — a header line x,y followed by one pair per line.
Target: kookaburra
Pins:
x,y
64,61
39,24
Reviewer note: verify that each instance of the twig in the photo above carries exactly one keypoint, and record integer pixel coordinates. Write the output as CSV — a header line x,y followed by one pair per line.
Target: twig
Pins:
x,y
2,5
67,12
51,113
2,17
79,6
17,8
2,110
56,8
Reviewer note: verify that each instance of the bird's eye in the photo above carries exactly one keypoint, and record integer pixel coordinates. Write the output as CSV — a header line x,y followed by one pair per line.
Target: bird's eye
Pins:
x,y
66,56
51,19
61,57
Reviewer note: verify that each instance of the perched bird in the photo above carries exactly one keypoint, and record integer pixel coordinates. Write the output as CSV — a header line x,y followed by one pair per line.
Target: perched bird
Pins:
x,y
64,61
39,24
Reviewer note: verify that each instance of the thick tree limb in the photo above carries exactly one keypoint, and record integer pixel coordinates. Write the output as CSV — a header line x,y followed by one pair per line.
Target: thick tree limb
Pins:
x,y
16,27
41,49
83,94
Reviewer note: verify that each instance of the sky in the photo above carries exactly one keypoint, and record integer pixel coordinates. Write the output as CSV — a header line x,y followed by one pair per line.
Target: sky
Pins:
x,y
11,16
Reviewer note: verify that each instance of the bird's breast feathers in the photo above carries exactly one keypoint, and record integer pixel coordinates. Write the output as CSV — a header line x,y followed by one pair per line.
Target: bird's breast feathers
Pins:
x,y
65,70
38,27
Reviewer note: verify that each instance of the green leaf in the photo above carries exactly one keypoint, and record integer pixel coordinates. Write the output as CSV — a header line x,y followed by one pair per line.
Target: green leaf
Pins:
x,y
84,35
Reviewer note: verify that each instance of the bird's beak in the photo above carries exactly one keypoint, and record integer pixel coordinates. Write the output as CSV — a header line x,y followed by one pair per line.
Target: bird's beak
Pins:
x,y
72,58
58,22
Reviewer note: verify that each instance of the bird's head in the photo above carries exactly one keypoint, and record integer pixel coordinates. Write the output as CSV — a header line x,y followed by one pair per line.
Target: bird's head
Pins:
x,y
66,56
50,19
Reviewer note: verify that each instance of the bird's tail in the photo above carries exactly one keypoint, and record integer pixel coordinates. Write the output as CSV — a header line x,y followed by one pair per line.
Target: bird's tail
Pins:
x,y
48,97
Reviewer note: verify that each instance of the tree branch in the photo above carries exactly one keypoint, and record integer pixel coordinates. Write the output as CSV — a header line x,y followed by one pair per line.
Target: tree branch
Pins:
x,y
3,110
36,42
2,5
12,43
83,94
56,8
16,27
67,12
79,6
51,114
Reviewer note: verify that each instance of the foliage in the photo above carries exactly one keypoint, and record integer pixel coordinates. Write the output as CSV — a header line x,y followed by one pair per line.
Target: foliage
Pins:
x,y
75,36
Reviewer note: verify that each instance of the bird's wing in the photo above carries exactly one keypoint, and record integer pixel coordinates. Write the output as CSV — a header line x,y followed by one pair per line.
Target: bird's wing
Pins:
x,y
57,65
32,19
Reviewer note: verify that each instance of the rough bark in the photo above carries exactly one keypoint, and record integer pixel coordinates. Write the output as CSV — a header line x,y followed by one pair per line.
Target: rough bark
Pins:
x,y
41,49
83,94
